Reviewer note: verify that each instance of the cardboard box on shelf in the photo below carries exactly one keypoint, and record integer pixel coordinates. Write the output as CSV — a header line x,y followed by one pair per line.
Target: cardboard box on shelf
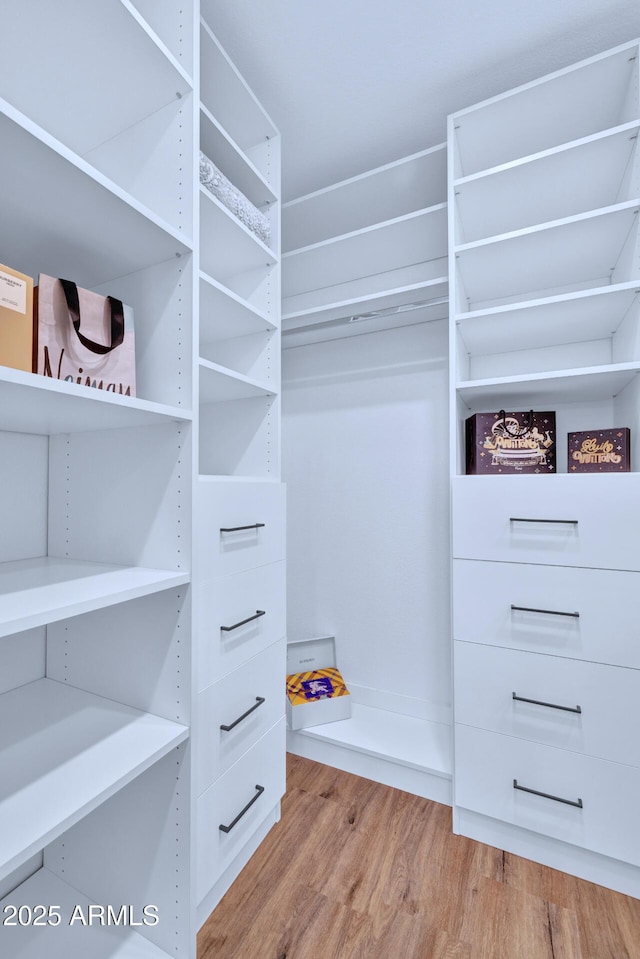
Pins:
x,y
16,319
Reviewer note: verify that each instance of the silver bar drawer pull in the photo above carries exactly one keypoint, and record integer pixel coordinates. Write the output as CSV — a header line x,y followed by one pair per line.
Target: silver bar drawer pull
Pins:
x,y
548,612
536,519
538,702
535,792
234,822
238,529
259,701
243,622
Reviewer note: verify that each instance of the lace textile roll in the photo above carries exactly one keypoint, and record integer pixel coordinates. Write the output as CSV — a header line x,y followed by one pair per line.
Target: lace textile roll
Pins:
x,y
216,182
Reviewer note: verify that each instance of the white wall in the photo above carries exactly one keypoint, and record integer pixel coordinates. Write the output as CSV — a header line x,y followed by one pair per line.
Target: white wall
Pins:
x,y
365,462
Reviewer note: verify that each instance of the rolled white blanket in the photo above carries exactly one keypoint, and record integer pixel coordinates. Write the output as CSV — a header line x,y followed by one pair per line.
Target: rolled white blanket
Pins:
x,y
216,182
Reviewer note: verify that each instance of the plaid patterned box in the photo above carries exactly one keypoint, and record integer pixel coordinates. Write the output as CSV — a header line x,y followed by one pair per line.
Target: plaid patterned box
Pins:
x,y
315,685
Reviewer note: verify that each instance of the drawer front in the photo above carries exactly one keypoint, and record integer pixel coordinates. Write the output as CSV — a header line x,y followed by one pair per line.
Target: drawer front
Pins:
x,y
247,702
263,766
608,603
608,698
567,520
225,641
240,525
488,763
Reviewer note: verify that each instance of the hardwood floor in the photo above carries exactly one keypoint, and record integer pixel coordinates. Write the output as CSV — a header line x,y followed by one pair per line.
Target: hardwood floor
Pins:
x,y
356,870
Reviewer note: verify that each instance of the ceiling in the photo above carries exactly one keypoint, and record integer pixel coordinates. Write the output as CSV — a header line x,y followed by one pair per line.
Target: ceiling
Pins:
x,y
353,84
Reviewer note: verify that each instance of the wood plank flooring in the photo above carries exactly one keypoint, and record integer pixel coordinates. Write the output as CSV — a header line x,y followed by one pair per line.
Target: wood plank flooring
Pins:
x,y
356,870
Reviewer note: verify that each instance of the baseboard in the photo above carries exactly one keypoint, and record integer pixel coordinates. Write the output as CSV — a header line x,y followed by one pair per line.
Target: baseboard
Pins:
x,y
396,750
602,870
396,703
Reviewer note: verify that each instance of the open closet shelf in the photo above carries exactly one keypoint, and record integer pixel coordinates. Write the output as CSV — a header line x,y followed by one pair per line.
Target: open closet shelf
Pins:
x,y
226,241
557,254
558,386
591,314
115,43
565,106
418,303
222,150
414,238
226,95
34,592
64,751
418,745
32,942
224,314
32,403
219,383
414,183
564,181
125,235
359,306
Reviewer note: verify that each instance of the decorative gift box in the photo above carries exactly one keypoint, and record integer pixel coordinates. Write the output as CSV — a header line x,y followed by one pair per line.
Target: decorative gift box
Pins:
x,y
316,693
599,451
16,319
505,442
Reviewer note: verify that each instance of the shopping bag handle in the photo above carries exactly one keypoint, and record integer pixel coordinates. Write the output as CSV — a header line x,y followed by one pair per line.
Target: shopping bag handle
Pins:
x,y
517,432
70,290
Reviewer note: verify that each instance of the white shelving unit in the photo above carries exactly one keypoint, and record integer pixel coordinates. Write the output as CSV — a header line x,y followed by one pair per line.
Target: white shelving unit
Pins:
x,y
365,255
544,258
95,560
239,502
367,252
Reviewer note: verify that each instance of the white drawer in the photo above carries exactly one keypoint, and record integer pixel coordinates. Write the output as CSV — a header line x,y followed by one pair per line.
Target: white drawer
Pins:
x,y
239,525
608,603
262,768
234,713
486,677
222,644
567,520
487,764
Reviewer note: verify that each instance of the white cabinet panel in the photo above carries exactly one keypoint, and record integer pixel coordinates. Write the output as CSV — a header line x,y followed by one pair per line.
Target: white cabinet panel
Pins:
x,y
607,601
567,520
251,607
241,525
259,776
234,713
599,703
489,763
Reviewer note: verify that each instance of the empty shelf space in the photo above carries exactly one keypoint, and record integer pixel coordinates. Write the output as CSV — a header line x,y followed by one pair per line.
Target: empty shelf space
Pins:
x,y
416,743
406,306
571,179
64,751
219,383
576,102
414,238
591,314
225,315
561,254
559,386
39,404
225,93
221,149
83,226
86,114
228,247
67,938
427,292
34,592
413,183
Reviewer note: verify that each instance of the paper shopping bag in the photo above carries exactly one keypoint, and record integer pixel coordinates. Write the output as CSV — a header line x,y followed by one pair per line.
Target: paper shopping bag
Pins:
x,y
83,337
